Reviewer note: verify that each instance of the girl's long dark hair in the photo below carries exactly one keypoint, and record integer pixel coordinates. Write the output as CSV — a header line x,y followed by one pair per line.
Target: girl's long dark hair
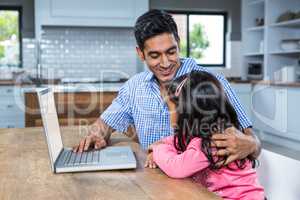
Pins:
x,y
202,110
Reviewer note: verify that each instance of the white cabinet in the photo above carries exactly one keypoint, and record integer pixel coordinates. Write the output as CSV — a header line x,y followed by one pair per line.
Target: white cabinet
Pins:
x,y
243,91
12,113
293,108
269,109
275,114
113,13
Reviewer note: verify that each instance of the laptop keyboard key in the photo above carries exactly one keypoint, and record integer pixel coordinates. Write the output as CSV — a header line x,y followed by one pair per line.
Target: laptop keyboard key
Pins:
x,y
78,158
67,157
95,157
83,158
89,159
72,159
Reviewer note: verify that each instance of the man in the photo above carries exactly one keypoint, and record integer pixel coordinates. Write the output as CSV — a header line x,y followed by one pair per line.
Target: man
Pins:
x,y
140,101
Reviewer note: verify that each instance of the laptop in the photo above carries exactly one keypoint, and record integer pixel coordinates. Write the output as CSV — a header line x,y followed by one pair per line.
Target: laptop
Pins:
x,y
64,159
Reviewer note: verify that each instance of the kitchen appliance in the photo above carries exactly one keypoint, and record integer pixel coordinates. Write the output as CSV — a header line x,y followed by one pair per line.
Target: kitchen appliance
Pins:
x,y
255,71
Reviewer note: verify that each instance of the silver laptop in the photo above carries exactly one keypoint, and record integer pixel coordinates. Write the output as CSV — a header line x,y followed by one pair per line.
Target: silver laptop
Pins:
x,y
64,159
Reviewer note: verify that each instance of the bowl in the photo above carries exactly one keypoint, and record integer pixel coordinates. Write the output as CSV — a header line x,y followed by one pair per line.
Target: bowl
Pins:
x,y
288,45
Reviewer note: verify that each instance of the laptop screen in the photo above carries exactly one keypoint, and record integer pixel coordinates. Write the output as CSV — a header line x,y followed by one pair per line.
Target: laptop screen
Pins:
x,y
50,123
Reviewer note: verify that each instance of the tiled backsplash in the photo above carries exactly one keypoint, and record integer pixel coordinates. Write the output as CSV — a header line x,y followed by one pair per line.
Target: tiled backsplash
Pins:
x,y
71,52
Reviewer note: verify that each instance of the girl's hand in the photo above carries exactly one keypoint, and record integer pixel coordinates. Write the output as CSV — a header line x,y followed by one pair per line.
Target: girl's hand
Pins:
x,y
150,162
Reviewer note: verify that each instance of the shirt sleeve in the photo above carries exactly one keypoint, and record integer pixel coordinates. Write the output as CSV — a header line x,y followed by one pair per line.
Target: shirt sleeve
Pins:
x,y
180,165
118,115
234,100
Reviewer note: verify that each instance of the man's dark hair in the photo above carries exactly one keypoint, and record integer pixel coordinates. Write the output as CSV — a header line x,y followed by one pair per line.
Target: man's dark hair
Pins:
x,y
153,23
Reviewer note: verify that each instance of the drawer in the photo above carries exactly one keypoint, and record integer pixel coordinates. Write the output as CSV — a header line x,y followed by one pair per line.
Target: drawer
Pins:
x,y
10,93
12,122
8,107
9,90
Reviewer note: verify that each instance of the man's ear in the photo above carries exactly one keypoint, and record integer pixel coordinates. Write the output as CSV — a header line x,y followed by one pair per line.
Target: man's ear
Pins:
x,y
140,53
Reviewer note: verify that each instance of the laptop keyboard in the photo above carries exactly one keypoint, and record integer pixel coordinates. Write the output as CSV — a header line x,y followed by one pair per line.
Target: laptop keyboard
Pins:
x,y
70,158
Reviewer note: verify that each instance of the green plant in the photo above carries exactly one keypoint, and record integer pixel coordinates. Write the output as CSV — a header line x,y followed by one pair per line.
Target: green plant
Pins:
x,y
8,25
1,51
198,41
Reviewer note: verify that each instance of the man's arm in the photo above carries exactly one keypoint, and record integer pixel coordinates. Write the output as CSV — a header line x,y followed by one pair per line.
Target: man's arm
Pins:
x,y
116,117
236,145
98,137
257,149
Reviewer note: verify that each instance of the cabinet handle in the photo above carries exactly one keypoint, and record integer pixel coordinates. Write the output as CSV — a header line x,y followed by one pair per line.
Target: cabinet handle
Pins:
x,y
9,106
9,90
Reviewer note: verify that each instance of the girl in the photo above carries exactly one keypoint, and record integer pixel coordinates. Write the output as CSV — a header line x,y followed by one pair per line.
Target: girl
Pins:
x,y
203,109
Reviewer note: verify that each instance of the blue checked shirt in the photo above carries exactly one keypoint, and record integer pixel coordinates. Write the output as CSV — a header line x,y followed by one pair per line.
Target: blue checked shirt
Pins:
x,y
139,103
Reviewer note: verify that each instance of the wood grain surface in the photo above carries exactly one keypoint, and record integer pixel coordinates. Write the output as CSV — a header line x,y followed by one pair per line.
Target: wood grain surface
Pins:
x,y
25,173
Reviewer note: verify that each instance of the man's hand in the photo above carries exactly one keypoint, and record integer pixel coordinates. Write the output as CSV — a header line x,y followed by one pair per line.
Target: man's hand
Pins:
x,y
234,144
94,139
150,162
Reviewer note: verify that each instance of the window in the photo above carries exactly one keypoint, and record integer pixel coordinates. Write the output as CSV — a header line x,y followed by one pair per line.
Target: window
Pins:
x,y
10,37
202,36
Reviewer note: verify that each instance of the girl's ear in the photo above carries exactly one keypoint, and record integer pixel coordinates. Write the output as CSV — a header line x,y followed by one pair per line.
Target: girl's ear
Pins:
x,y
140,54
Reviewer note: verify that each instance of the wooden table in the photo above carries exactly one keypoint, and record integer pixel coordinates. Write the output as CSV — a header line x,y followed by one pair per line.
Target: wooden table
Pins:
x,y
25,173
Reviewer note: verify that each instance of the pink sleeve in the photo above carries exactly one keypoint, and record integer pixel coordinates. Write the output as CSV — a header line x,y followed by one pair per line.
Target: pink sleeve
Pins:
x,y
181,165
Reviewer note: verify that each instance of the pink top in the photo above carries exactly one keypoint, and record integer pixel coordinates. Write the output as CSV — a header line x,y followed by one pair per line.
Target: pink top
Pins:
x,y
231,183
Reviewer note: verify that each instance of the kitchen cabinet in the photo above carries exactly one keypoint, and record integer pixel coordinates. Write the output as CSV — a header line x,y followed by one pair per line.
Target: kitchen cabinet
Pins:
x,y
293,109
11,107
243,91
270,108
73,108
113,13
275,114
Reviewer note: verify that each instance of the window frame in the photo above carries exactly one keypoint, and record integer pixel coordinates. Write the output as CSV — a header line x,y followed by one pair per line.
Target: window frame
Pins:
x,y
19,9
188,13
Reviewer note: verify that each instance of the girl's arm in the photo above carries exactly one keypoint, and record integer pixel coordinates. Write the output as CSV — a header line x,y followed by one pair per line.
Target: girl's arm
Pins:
x,y
181,165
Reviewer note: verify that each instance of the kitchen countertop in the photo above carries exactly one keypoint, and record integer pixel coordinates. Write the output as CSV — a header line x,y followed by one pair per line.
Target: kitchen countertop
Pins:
x,y
78,87
25,173
114,86
262,82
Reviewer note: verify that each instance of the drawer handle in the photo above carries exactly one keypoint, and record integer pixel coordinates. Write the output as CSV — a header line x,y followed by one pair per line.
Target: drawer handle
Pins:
x,y
9,106
9,90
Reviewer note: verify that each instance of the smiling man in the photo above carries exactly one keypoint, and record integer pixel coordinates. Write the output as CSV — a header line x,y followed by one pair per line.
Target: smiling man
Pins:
x,y
140,101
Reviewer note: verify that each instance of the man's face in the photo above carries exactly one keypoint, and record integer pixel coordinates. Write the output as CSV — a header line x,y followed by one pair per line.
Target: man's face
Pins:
x,y
161,54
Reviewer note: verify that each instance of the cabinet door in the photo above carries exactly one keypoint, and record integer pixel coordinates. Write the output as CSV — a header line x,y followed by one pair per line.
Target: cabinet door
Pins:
x,y
243,91
269,109
11,107
293,110
118,13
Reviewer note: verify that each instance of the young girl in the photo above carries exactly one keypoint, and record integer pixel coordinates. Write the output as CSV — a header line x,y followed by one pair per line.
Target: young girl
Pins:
x,y
203,109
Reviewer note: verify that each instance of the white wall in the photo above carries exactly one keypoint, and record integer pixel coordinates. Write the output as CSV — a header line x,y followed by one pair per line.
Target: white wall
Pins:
x,y
233,66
